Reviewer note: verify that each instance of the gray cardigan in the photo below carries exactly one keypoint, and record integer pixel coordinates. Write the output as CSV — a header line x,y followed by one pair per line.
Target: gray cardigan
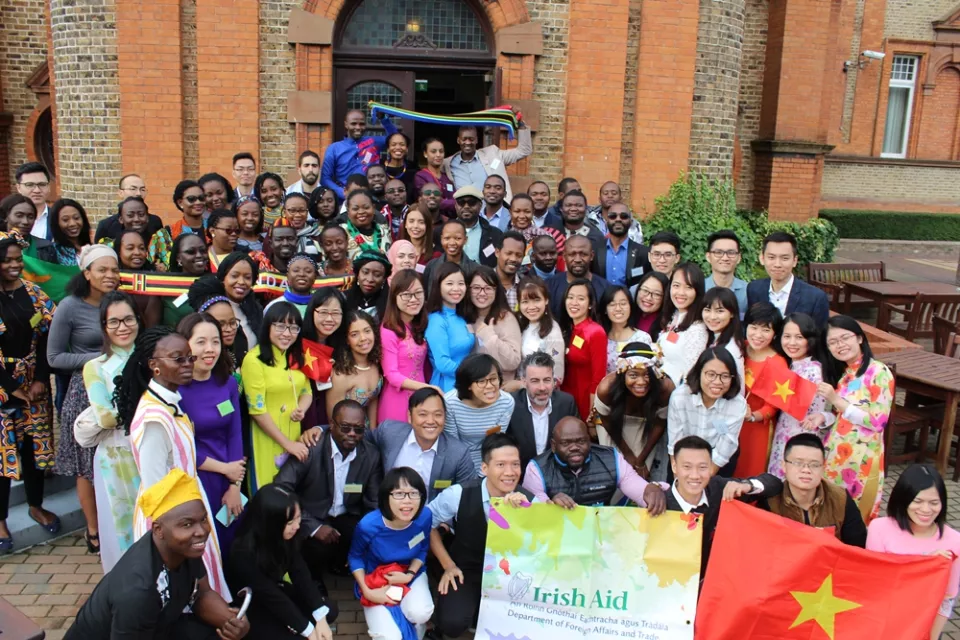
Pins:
x,y
75,335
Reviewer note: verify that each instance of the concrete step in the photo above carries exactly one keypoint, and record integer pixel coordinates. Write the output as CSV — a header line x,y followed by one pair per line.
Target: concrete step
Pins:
x,y
64,503
51,485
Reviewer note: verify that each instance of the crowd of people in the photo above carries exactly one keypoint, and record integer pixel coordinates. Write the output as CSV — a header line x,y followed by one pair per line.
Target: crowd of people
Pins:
x,y
486,344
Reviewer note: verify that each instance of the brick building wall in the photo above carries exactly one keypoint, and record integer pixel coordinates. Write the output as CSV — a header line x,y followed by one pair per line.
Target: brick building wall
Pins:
x,y
716,87
751,94
88,101
278,140
188,83
550,89
937,133
24,48
910,19
630,73
902,185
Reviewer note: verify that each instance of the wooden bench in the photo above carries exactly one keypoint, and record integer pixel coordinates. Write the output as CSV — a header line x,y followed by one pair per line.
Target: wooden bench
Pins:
x,y
830,276
915,320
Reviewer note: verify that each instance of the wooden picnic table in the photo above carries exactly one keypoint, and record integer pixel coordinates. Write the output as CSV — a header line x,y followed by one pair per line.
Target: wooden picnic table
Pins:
x,y
894,292
933,376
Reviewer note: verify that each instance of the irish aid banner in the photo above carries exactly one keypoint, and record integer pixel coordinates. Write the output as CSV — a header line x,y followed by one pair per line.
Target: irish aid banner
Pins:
x,y
608,572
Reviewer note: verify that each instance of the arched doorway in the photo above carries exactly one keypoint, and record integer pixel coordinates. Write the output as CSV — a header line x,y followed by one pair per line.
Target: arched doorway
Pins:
x,y
435,56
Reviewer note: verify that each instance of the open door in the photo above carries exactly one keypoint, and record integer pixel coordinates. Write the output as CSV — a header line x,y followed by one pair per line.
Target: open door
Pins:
x,y
357,87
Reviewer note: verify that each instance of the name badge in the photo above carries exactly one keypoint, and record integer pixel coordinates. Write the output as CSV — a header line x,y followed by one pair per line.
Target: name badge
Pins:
x,y
636,271
488,250
225,408
35,320
495,164
577,341
442,484
673,336
353,487
366,157
449,187
415,540
179,300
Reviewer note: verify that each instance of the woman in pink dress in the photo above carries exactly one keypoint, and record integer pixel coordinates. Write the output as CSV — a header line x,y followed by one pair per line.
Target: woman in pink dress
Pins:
x,y
403,344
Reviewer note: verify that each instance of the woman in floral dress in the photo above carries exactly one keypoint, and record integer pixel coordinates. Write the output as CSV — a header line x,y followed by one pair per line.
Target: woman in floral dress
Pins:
x,y
860,389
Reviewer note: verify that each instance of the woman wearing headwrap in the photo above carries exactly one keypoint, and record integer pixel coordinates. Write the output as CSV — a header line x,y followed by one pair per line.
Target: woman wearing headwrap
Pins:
x,y
402,255
301,276
76,338
238,272
26,435
369,290
631,409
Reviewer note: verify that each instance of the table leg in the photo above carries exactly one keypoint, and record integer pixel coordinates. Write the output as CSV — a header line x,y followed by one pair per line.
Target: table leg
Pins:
x,y
946,435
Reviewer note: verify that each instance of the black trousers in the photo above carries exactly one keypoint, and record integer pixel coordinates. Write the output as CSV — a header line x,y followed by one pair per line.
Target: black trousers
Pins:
x,y
264,625
31,476
331,557
457,610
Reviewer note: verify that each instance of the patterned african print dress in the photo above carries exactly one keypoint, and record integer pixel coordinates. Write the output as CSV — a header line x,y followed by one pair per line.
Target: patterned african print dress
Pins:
x,y
855,444
33,420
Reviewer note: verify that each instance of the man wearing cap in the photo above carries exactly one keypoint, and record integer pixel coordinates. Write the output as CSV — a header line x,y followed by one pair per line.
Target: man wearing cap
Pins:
x,y
482,237
162,574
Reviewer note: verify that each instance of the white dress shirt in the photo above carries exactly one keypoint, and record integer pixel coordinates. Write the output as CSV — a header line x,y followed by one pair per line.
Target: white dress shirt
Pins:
x,y
541,424
686,506
779,298
411,455
341,467
41,226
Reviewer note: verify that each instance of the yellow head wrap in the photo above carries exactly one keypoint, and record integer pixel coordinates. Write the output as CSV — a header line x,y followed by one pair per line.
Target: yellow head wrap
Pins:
x,y
175,489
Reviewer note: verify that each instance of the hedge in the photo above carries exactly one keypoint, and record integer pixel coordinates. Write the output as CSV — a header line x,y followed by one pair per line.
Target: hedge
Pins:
x,y
893,225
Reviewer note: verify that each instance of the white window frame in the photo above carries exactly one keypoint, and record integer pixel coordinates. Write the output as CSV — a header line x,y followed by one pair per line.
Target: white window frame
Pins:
x,y
911,86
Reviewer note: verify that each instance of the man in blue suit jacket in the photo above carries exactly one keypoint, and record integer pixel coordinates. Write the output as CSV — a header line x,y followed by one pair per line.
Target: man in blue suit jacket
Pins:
x,y
782,289
421,444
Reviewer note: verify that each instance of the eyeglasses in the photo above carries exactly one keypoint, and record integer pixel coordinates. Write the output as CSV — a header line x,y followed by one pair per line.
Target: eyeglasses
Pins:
x,y
467,201
180,360
492,381
328,313
410,296
622,304
663,255
403,495
352,428
845,338
135,189
623,215
396,190
230,231
244,169
194,199
479,288
281,327
297,210
127,321
647,293
711,376
30,186
232,323
429,192
812,466
729,253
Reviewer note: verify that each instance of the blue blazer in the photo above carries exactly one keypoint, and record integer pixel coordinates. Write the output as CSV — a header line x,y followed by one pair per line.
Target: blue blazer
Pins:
x,y
804,298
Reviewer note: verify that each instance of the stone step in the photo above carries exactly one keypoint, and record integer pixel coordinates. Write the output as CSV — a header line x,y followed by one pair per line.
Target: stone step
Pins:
x,y
51,485
27,533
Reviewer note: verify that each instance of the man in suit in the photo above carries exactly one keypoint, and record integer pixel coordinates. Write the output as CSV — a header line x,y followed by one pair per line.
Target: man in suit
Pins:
x,y
575,472
578,255
538,406
543,216
131,186
784,291
621,260
597,215
482,237
421,444
573,209
471,166
337,485
696,490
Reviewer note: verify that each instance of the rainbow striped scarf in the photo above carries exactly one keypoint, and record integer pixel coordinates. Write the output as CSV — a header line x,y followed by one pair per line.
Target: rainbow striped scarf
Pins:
x,y
497,117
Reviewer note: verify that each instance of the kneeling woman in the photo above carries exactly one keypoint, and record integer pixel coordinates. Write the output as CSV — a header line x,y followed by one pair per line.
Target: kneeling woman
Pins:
x,y
389,549
161,434
266,550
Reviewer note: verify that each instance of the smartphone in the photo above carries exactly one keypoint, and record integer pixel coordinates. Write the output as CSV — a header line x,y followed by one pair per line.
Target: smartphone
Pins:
x,y
395,593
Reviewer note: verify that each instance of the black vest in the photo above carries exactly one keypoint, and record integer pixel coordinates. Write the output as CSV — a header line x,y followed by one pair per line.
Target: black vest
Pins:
x,y
593,486
470,540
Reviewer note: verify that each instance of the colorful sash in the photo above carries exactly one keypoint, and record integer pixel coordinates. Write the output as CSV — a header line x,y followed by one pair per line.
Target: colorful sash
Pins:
x,y
172,285
496,117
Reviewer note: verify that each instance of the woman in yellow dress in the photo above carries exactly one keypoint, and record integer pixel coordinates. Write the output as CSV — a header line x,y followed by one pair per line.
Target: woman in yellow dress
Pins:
x,y
277,393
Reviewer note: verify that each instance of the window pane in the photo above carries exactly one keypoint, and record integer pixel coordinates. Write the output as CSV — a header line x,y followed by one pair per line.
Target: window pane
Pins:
x,y
440,24
360,94
895,130
904,68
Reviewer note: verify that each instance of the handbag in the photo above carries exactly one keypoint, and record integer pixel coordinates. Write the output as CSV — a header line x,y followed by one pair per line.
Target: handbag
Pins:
x,y
86,431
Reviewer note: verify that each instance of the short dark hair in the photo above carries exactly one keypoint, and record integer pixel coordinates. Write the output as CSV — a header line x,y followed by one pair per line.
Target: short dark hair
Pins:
x,y
539,182
540,238
243,155
780,236
307,154
358,179
510,235
497,176
181,189
535,359
723,234
468,127
566,182
31,167
420,396
809,330
392,481
913,480
765,315
346,403
573,193
496,441
129,175
692,442
804,440
715,353
665,237
474,367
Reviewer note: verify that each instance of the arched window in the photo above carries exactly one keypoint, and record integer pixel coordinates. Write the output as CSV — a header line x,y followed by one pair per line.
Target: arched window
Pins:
x,y
442,25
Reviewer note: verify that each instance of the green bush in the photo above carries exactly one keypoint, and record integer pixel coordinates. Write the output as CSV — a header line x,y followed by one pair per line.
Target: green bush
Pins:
x,y
695,207
893,225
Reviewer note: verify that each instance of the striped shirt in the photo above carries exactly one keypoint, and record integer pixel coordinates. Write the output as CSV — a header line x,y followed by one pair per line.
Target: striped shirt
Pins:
x,y
470,426
719,425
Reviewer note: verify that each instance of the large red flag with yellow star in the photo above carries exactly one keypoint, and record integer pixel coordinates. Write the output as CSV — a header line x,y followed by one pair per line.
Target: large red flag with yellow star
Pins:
x,y
769,579
783,388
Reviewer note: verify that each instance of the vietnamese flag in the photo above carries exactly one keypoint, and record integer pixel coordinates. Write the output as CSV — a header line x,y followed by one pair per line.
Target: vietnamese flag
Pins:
x,y
783,388
769,579
317,361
